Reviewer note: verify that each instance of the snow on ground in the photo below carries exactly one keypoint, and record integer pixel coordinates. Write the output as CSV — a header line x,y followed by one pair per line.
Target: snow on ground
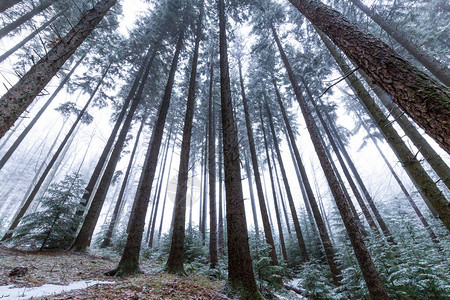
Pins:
x,y
12,292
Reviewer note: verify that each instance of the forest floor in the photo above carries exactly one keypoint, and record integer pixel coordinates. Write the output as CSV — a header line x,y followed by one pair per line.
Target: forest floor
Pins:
x,y
65,267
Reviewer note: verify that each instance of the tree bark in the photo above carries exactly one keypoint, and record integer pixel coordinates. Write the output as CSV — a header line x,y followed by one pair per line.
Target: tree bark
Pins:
x,y
241,279
416,93
434,159
26,17
36,118
415,170
205,187
369,272
17,99
29,37
212,173
440,70
221,240
254,158
323,233
129,263
84,236
6,4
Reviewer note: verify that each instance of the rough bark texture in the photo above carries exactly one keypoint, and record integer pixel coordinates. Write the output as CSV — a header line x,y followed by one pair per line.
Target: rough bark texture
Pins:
x,y
176,254
36,118
369,272
259,189
90,221
415,170
5,4
241,279
212,174
29,37
323,232
129,263
221,240
298,230
434,159
436,68
17,99
26,17
426,101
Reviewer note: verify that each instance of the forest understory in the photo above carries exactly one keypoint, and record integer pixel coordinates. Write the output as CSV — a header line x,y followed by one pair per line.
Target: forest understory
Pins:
x,y
64,267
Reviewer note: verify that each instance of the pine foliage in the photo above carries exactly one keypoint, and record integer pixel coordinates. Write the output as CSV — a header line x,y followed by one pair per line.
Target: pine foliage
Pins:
x,y
51,227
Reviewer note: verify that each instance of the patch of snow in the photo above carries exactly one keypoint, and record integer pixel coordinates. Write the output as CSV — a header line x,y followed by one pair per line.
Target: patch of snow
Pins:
x,y
12,292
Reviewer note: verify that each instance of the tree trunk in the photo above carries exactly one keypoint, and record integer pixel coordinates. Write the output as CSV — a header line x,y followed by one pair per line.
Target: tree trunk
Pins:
x,y
369,272
29,37
259,189
274,194
323,233
84,236
165,194
26,17
241,279
252,194
205,188
355,190
162,165
440,70
5,4
153,223
50,164
298,230
129,262
114,218
416,93
300,180
221,241
434,159
202,164
362,205
419,214
191,196
212,172
411,164
280,192
17,99
36,118
91,186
